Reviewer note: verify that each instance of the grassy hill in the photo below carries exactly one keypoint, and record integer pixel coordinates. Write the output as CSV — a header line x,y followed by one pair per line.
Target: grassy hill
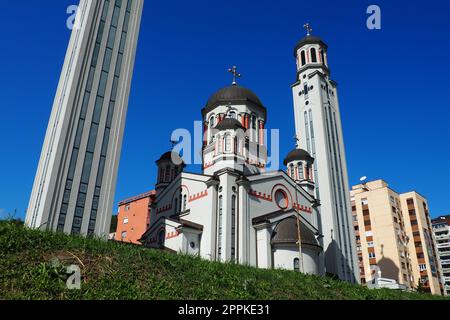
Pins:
x,y
29,270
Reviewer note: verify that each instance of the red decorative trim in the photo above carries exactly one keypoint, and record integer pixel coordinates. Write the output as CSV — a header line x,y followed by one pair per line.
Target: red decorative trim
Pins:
x,y
172,235
260,195
164,209
302,208
208,165
198,196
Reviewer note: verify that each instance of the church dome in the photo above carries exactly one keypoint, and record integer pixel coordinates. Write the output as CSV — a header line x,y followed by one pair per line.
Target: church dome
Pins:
x,y
232,94
309,40
298,155
229,123
171,156
286,232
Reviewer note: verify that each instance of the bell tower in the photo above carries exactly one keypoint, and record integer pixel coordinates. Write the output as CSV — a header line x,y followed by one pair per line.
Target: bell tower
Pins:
x,y
318,121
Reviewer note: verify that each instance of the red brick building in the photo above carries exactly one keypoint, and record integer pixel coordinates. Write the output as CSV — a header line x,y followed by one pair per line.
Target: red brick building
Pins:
x,y
134,217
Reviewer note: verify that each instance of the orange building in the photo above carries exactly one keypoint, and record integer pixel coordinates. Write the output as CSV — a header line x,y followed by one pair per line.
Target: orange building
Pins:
x,y
134,217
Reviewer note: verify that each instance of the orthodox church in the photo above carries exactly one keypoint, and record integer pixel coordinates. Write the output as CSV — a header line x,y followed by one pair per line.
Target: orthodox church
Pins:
x,y
236,210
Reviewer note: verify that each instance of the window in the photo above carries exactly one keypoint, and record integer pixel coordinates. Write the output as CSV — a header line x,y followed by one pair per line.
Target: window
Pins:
x,y
410,201
370,244
227,143
167,177
161,237
254,122
371,255
184,202
291,170
125,221
233,115
219,242
175,205
281,199
300,171
322,56
422,267
233,227
127,207
303,58
124,235
313,55
364,202
297,264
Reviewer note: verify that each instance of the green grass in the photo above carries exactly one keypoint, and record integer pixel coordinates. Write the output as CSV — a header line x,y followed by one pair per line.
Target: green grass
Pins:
x,y
119,271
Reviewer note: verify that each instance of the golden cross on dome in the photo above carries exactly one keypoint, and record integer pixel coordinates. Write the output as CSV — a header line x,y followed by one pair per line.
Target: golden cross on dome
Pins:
x,y
235,74
308,28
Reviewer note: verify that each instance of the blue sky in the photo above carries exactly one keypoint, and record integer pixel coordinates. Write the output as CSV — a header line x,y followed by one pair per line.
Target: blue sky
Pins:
x,y
392,83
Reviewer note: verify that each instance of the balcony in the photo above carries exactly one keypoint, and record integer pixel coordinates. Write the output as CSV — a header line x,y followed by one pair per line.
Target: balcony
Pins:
x,y
445,261
442,237
444,245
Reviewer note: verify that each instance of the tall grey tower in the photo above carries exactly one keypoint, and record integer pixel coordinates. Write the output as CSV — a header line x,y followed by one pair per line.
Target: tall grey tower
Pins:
x,y
76,178
318,123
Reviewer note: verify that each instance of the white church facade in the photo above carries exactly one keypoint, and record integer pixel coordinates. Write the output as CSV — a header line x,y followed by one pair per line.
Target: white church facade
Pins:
x,y
238,211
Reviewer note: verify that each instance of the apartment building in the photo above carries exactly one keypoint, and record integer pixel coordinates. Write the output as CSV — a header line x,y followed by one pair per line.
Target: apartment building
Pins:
x,y
393,235
134,217
441,229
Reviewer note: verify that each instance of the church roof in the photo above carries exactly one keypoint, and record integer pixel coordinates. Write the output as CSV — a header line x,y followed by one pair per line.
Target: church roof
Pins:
x,y
229,123
170,156
298,155
309,40
232,94
286,232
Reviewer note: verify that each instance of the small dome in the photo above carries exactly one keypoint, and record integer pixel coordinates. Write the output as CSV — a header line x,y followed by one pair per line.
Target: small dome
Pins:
x,y
309,40
229,123
298,155
172,157
286,232
231,94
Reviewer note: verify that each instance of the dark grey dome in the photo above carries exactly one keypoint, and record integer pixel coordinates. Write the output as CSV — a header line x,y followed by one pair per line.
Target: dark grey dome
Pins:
x,y
286,232
298,155
309,40
229,123
231,94
171,156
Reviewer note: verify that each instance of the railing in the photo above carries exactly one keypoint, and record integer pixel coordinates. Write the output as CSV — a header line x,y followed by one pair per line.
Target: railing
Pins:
x,y
444,245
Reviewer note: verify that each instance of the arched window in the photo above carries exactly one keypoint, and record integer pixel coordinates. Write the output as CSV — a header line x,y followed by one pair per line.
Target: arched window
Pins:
x,y
300,171
175,205
233,228
297,264
161,237
212,122
291,171
254,122
322,56
313,55
167,177
227,143
303,58
233,114
219,233
220,145
160,174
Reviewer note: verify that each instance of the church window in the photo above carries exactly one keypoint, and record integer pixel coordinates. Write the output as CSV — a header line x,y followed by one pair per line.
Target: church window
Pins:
x,y
167,178
281,199
291,171
227,143
219,242
313,55
322,57
233,228
161,237
297,264
300,171
184,202
303,58
254,122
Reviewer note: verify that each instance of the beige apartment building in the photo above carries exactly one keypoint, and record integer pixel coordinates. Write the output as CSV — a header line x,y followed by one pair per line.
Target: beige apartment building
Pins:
x,y
393,235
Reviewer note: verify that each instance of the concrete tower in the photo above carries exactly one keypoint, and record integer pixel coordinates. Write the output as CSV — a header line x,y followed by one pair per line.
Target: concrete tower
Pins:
x,y
318,123
75,181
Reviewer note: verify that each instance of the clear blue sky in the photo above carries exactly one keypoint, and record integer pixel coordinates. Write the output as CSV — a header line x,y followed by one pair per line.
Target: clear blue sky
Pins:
x,y
392,83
